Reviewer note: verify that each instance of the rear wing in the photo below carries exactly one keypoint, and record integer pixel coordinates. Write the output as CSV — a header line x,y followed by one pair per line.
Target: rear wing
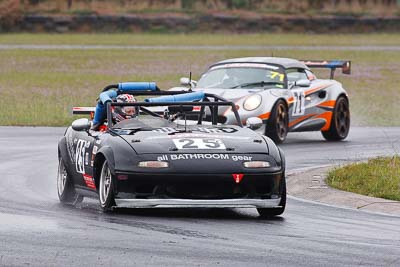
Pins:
x,y
345,65
83,110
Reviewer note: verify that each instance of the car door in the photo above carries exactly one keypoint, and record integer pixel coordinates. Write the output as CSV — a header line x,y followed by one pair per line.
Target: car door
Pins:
x,y
298,109
83,161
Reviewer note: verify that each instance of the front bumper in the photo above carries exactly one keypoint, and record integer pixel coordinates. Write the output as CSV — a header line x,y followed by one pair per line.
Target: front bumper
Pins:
x,y
193,203
259,190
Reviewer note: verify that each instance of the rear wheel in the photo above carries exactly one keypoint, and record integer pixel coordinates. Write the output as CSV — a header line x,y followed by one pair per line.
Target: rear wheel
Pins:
x,y
106,191
277,125
340,123
271,212
65,188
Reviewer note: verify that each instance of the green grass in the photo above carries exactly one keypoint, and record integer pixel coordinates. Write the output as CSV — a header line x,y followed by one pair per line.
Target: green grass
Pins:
x,y
39,87
377,178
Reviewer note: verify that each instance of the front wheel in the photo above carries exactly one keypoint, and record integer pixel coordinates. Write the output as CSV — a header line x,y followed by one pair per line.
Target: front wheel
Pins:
x,y
340,123
65,188
277,125
106,191
271,212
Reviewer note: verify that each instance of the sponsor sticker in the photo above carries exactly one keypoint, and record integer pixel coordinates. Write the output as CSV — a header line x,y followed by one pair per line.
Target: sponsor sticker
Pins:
x,y
94,152
194,135
196,156
89,181
199,129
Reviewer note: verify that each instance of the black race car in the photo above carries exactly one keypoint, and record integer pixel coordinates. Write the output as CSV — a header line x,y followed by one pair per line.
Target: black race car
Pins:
x,y
180,158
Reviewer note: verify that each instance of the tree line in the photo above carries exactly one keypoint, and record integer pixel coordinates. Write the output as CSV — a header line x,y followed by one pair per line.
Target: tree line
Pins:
x,y
219,4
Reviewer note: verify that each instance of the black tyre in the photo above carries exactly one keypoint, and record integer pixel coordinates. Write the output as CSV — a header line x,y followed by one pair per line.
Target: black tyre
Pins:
x,y
65,188
277,125
271,212
106,188
340,123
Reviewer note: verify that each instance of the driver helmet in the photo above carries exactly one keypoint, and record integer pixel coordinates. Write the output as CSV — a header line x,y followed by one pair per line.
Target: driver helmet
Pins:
x,y
233,72
127,112
232,76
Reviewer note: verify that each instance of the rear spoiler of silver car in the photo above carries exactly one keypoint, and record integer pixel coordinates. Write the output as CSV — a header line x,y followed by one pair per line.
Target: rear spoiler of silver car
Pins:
x,y
345,65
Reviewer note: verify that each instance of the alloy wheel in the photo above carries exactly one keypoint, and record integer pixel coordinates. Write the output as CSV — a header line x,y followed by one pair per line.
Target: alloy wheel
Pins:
x,y
105,183
342,118
61,178
281,122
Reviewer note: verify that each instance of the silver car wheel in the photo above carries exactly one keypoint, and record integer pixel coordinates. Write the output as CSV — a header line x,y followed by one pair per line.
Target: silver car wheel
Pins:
x,y
61,178
105,183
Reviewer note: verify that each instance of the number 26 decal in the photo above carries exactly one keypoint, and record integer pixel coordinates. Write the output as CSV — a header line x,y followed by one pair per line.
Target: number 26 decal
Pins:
x,y
299,102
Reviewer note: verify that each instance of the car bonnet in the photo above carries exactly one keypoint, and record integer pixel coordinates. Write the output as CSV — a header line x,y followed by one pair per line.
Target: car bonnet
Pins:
x,y
197,140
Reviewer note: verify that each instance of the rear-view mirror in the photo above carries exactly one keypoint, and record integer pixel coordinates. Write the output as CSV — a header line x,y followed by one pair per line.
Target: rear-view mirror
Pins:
x,y
303,83
81,125
187,82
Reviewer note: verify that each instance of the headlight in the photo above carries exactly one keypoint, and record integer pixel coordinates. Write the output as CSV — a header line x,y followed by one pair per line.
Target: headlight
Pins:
x,y
153,164
256,164
252,102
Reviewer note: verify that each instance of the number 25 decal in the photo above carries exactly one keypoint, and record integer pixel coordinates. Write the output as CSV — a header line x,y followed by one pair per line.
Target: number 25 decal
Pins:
x,y
199,143
299,102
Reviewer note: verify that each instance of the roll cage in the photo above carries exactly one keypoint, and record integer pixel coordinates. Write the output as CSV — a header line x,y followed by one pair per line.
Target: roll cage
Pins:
x,y
213,102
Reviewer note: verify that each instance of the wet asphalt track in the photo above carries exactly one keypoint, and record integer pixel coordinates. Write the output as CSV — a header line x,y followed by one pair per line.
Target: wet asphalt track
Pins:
x,y
36,231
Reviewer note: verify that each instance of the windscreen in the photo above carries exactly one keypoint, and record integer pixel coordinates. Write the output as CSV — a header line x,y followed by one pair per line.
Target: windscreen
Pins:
x,y
243,75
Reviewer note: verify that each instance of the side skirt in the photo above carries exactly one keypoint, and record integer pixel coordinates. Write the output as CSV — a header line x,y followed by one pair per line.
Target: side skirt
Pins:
x,y
86,192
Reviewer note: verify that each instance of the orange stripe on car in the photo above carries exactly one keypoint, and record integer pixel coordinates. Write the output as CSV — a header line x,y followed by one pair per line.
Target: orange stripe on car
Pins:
x,y
329,104
303,118
265,116
328,117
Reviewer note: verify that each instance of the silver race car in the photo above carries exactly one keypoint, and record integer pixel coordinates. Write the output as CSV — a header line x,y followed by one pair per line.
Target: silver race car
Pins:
x,y
283,92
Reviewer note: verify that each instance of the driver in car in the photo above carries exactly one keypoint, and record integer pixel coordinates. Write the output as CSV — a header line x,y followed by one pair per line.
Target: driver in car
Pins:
x,y
118,113
231,77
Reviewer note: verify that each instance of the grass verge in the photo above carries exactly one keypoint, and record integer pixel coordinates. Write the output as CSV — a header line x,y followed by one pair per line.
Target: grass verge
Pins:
x,y
39,87
377,178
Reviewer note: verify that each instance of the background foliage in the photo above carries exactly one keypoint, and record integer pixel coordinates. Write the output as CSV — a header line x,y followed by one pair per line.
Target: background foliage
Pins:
x,y
272,6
